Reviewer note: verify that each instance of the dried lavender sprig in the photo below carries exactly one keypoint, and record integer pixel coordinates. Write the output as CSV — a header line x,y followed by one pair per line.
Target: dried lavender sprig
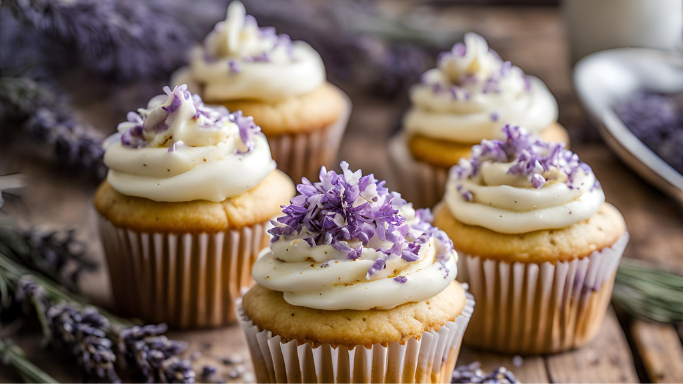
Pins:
x,y
473,373
56,254
83,334
13,356
124,39
44,117
657,120
356,43
73,320
152,354
648,293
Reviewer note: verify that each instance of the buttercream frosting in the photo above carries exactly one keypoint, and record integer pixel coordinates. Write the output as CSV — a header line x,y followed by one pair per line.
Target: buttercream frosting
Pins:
x,y
522,184
473,93
348,243
178,149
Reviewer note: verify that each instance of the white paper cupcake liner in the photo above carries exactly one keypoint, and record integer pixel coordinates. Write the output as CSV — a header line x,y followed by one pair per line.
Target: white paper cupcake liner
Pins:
x,y
420,183
186,280
428,359
539,308
302,155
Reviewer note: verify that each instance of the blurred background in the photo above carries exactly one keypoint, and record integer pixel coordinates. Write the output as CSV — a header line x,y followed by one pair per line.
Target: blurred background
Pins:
x,y
70,70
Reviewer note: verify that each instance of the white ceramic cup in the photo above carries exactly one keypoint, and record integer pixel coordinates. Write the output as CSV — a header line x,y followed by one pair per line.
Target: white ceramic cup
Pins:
x,y
596,25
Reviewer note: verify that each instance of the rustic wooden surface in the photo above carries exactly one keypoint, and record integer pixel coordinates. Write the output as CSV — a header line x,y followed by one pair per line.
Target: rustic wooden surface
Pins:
x,y
532,38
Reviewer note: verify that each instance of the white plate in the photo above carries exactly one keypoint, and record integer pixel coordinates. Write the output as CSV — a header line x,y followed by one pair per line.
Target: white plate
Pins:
x,y
604,79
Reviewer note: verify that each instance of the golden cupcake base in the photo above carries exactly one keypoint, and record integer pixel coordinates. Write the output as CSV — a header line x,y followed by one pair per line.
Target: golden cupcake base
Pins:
x,y
302,154
427,358
539,308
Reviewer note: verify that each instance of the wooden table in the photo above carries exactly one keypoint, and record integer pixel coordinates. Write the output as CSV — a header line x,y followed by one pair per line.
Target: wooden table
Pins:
x,y
532,38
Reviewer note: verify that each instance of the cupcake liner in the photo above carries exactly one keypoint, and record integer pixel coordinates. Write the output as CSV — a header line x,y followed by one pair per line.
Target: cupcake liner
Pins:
x,y
539,308
187,280
302,155
420,183
428,359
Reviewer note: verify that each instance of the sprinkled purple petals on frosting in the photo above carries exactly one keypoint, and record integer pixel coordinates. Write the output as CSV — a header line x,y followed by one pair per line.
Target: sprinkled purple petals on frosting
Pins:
x,y
214,117
247,129
459,49
400,279
233,67
345,208
494,116
530,157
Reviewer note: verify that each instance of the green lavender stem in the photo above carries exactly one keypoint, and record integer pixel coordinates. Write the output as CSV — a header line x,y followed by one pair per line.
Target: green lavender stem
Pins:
x,y
12,355
11,271
649,293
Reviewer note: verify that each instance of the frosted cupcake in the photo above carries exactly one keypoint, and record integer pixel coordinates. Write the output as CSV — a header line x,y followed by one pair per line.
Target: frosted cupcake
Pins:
x,y
281,83
469,97
183,211
539,246
357,286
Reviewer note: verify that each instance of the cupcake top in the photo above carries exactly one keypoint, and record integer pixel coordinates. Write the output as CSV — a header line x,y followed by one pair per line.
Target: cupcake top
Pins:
x,y
472,93
178,149
346,242
522,184
239,60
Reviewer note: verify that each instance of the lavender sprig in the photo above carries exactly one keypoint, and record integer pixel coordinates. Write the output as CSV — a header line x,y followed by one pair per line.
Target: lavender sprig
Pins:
x,y
13,356
87,332
83,333
44,117
56,254
124,39
153,354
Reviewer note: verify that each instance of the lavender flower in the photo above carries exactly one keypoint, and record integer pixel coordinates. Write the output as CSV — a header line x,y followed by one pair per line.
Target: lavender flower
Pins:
x,y
347,210
57,255
153,354
247,129
43,115
124,39
531,158
83,334
657,120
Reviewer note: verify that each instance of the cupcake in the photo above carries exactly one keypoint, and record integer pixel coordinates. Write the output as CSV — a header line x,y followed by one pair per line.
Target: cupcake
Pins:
x,y
281,83
357,286
469,97
539,246
183,211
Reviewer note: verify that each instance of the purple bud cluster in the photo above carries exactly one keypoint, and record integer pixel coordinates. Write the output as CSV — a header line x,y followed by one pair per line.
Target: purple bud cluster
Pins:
x,y
348,208
531,157
207,117
657,120
490,85
153,355
83,334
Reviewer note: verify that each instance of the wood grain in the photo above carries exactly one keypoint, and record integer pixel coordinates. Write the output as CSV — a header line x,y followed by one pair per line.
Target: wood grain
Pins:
x,y
532,38
607,359
660,348
531,370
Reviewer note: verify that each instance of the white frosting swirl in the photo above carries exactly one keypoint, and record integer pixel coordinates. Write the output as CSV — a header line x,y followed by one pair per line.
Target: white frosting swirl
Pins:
x,y
192,156
473,93
239,60
508,203
323,277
